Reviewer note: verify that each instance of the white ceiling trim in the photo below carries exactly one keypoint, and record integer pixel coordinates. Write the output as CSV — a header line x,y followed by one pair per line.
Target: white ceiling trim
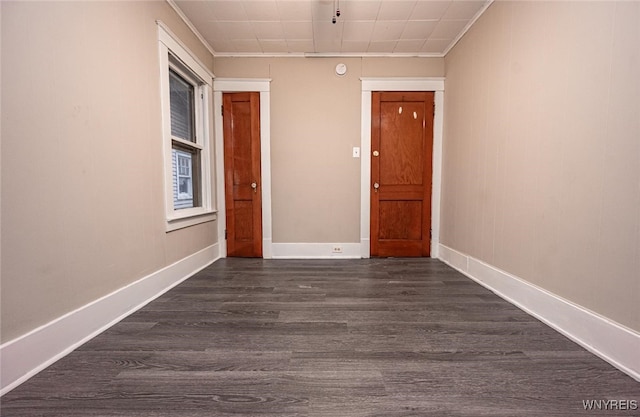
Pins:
x,y
326,55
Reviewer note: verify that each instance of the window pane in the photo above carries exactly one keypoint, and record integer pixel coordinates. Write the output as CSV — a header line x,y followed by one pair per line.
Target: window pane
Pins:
x,y
185,178
181,102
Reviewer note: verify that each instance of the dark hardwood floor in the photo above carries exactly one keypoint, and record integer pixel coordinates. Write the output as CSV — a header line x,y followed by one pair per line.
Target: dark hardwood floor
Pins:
x,y
375,337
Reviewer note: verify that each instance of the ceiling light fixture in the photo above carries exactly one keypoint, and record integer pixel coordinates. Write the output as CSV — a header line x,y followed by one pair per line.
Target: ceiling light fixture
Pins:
x,y
336,13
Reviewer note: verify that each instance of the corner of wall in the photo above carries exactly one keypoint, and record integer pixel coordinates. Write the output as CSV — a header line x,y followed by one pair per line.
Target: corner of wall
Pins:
x,y
25,356
607,339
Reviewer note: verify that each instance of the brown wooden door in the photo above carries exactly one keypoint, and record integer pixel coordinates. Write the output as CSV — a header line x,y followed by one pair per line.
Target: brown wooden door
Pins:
x,y
241,112
401,170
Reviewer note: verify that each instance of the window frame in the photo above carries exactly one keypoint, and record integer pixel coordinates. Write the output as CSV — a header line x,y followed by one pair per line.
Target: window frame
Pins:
x,y
175,56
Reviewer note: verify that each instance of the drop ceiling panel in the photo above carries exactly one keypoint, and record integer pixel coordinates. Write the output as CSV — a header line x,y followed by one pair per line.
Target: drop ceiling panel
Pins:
x,y
462,10
297,30
359,10
235,30
364,27
300,46
395,10
387,30
406,46
294,10
448,29
435,45
430,10
327,46
247,45
275,46
323,30
261,10
354,46
268,30
221,10
419,29
357,30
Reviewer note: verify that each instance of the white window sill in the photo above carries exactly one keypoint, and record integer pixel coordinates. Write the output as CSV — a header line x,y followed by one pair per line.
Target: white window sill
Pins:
x,y
191,220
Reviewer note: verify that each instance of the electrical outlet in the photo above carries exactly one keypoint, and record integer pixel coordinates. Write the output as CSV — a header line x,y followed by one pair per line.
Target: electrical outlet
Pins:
x,y
336,249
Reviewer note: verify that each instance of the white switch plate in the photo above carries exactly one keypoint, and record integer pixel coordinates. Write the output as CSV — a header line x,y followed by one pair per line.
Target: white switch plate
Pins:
x,y
356,152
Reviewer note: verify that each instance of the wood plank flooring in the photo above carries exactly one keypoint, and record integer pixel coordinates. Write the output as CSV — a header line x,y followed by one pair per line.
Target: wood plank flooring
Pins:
x,y
343,338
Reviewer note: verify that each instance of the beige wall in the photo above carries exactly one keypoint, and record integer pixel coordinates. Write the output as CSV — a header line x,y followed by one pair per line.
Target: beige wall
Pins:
x,y
541,169
82,190
315,123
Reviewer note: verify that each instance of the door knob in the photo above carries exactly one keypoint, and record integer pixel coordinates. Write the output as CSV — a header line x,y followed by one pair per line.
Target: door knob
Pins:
x,y
376,186
376,153
254,186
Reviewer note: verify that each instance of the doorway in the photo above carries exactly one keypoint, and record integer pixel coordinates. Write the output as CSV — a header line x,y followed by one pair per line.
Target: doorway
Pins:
x,y
370,85
242,173
401,173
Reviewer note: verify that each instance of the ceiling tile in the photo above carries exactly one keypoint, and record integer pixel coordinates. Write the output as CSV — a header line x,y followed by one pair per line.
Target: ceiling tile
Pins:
x,y
387,30
428,10
264,10
365,26
354,46
396,10
404,46
419,29
322,11
268,30
357,31
274,46
324,46
294,9
325,30
436,45
227,10
298,30
463,9
448,29
300,45
213,31
197,11
222,46
237,30
382,47
359,10
247,45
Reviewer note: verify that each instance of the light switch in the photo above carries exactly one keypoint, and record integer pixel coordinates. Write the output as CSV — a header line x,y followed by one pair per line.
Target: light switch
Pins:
x,y
356,152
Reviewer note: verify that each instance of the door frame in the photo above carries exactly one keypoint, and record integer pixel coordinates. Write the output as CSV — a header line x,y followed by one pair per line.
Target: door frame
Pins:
x,y
238,85
435,84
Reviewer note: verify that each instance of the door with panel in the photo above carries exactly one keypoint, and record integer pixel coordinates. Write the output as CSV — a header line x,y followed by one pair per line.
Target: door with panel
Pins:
x,y
243,191
401,172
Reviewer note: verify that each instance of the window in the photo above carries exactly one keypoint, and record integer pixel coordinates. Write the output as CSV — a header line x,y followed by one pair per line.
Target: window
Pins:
x,y
182,180
185,150
186,94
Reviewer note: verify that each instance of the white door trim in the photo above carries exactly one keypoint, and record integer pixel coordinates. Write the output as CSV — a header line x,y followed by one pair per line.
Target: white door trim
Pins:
x,y
399,84
234,85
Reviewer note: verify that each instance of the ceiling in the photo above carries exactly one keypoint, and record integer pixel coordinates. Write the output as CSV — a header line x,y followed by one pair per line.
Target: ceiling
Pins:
x,y
364,27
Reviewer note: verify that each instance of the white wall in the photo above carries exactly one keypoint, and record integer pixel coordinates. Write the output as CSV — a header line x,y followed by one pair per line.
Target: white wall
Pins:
x,y
82,164
315,123
541,165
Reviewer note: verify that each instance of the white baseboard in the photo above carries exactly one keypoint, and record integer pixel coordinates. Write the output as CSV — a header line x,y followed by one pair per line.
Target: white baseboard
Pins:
x,y
365,247
315,251
605,338
267,248
25,356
